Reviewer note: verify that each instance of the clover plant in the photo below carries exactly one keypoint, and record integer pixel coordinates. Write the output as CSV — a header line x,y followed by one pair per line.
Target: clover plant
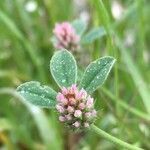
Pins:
x,y
73,102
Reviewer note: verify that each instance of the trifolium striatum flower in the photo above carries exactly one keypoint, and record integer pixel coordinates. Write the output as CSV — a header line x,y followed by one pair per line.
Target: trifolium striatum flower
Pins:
x,y
75,107
65,36
73,102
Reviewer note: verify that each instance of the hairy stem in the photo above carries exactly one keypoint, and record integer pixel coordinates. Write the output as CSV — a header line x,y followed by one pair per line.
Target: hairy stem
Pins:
x,y
113,139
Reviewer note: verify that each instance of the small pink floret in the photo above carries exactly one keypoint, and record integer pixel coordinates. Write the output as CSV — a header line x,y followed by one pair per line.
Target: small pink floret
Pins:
x,y
81,106
60,98
62,119
86,125
64,91
88,115
72,101
78,113
60,108
68,117
94,113
70,109
81,94
89,103
77,124
73,89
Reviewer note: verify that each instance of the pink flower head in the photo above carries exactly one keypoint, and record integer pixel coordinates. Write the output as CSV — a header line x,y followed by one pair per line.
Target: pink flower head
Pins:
x,y
76,107
66,36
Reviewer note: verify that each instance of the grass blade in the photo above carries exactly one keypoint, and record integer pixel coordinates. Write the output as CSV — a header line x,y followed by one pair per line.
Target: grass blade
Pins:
x,y
136,75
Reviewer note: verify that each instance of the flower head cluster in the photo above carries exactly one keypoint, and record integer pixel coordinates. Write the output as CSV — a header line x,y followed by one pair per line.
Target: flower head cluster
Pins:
x,y
66,36
76,107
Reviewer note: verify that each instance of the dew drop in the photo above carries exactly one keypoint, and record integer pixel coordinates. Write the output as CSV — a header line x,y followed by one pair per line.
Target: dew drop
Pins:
x,y
22,92
63,81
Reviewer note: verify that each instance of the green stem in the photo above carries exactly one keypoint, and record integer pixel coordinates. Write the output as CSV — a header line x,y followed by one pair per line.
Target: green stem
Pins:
x,y
113,139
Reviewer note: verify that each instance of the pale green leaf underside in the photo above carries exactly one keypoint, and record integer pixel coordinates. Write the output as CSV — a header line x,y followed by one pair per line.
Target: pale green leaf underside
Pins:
x,y
92,35
37,94
96,73
63,68
80,26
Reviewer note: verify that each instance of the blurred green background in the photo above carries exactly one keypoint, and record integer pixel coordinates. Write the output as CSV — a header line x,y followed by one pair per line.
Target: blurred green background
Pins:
x,y
25,51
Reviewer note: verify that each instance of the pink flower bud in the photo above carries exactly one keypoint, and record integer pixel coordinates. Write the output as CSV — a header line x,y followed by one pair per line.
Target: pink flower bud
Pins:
x,y
60,98
78,96
64,101
78,113
88,115
68,117
60,108
62,119
89,103
70,109
81,106
73,88
77,124
86,125
81,94
64,91
94,113
66,36
72,101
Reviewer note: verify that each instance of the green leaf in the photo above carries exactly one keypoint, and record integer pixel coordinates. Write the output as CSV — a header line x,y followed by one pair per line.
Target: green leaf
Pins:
x,y
96,73
63,68
37,94
80,74
80,26
92,35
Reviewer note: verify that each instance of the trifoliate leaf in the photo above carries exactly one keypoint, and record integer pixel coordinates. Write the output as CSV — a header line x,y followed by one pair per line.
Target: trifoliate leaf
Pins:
x,y
37,94
80,26
96,73
92,35
63,68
